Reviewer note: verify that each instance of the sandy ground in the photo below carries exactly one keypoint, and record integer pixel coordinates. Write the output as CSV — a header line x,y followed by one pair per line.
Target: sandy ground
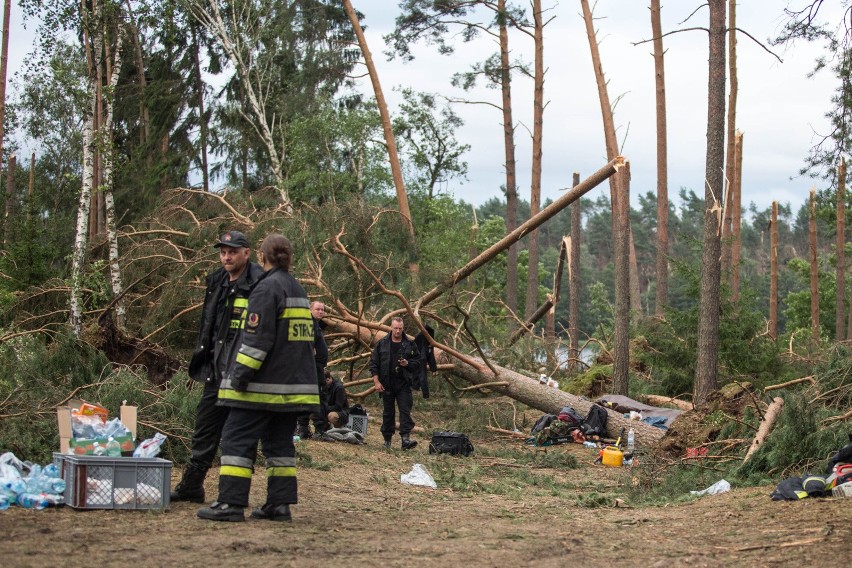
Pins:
x,y
354,511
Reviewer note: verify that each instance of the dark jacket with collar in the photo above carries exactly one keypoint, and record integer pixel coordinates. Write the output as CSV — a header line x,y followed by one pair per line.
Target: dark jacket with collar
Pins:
x,y
219,304
381,364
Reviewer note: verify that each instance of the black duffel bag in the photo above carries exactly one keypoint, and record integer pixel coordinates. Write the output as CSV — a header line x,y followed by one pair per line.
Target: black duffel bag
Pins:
x,y
453,443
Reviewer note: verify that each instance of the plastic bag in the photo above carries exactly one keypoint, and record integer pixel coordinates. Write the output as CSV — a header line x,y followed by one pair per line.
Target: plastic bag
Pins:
x,y
720,486
150,447
418,476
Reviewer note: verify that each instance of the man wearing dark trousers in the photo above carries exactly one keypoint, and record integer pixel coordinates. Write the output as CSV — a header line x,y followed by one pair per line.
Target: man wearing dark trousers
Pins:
x,y
228,288
303,429
394,365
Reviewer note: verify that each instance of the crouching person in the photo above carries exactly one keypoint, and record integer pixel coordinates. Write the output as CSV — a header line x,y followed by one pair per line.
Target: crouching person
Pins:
x,y
271,380
337,401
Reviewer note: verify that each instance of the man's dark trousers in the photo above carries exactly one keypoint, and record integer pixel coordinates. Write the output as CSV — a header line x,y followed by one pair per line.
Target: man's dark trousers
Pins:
x,y
398,392
209,421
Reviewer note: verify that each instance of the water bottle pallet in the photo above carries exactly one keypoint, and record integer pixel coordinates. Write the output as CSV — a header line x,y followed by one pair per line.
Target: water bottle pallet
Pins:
x,y
98,482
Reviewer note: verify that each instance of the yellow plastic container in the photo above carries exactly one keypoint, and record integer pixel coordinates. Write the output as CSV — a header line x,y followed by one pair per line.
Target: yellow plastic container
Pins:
x,y
612,456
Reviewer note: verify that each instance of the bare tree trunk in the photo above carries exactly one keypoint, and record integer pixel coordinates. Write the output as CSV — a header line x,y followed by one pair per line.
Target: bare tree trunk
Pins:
x,y
635,296
840,310
706,368
773,272
4,65
202,117
662,298
143,86
82,229
109,203
727,226
620,221
10,196
574,281
390,141
509,150
31,187
535,182
621,333
812,242
548,212
736,196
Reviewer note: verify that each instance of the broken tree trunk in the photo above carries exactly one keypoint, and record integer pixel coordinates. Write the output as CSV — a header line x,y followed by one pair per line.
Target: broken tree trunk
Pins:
x,y
574,282
506,382
657,400
812,245
840,265
544,215
773,273
765,425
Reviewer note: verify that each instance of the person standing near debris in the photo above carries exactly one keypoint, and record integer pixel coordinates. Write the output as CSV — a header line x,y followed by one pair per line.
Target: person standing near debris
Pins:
x,y
225,300
303,428
394,366
270,381
427,359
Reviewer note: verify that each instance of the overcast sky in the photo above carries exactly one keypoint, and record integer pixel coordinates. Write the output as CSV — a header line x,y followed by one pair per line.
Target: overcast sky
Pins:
x,y
779,108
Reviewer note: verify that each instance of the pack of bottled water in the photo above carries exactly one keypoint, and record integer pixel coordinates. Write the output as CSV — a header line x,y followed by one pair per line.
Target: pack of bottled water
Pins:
x,y
29,485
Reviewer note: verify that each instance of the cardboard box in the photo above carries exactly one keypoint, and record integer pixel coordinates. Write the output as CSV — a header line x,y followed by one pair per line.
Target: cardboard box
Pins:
x,y
68,444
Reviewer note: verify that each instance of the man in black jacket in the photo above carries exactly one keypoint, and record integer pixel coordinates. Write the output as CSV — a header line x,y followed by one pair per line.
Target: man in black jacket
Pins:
x,y
303,428
337,403
228,288
394,366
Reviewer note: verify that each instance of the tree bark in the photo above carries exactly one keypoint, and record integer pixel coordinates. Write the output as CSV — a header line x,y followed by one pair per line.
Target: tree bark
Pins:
x,y
547,213
635,295
143,85
773,272
10,197
109,203
730,141
390,141
82,228
736,197
4,65
535,182
840,304
706,369
620,220
812,246
202,117
766,424
509,151
662,297
574,281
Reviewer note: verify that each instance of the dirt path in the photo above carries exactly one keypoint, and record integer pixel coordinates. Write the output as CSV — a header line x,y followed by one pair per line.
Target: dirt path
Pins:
x,y
355,512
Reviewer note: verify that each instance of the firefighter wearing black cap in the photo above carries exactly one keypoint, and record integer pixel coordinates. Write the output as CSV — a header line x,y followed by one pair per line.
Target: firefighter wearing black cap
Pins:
x,y
226,298
270,381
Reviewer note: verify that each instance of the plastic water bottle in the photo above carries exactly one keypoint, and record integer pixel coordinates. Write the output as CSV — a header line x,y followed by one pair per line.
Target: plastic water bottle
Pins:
x,y
98,450
31,501
113,448
4,502
631,440
297,438
590,444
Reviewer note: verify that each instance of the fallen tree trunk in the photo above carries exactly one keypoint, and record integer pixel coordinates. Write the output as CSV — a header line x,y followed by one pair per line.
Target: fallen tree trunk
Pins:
x,y
517,386
547,399
657,400
765,425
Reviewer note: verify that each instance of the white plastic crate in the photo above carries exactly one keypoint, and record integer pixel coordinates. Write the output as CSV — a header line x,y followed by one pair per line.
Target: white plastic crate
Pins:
x,y
358,423
97,482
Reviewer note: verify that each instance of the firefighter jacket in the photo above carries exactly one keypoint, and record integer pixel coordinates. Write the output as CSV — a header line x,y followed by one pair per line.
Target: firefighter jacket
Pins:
x,y
272,363
381,364
222,311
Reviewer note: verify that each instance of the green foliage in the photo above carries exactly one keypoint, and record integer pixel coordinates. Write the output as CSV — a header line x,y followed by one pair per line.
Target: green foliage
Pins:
x,y
798,310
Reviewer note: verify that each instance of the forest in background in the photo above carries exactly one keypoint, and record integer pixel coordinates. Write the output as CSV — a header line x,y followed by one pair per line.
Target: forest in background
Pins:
x,y
114,97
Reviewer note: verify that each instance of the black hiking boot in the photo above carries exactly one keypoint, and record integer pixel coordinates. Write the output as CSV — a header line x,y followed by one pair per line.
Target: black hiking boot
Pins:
x,y
408,444
387,443
273,513
190,488
222,512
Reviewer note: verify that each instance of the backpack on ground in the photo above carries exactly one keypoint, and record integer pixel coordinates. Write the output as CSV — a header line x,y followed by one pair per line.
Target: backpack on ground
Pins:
x,y
571,416
595,422
453,443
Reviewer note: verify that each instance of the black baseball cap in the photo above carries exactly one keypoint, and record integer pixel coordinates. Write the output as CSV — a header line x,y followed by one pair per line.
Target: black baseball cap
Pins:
x,y
233,239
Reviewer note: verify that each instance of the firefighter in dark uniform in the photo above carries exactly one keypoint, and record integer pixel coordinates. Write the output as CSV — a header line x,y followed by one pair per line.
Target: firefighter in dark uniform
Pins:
x,y
303,427
226,298
394,366
270,381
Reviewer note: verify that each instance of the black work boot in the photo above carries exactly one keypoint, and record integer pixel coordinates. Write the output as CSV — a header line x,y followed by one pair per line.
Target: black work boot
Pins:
x,y
408,444
190,488
387,443
222,512
273,513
